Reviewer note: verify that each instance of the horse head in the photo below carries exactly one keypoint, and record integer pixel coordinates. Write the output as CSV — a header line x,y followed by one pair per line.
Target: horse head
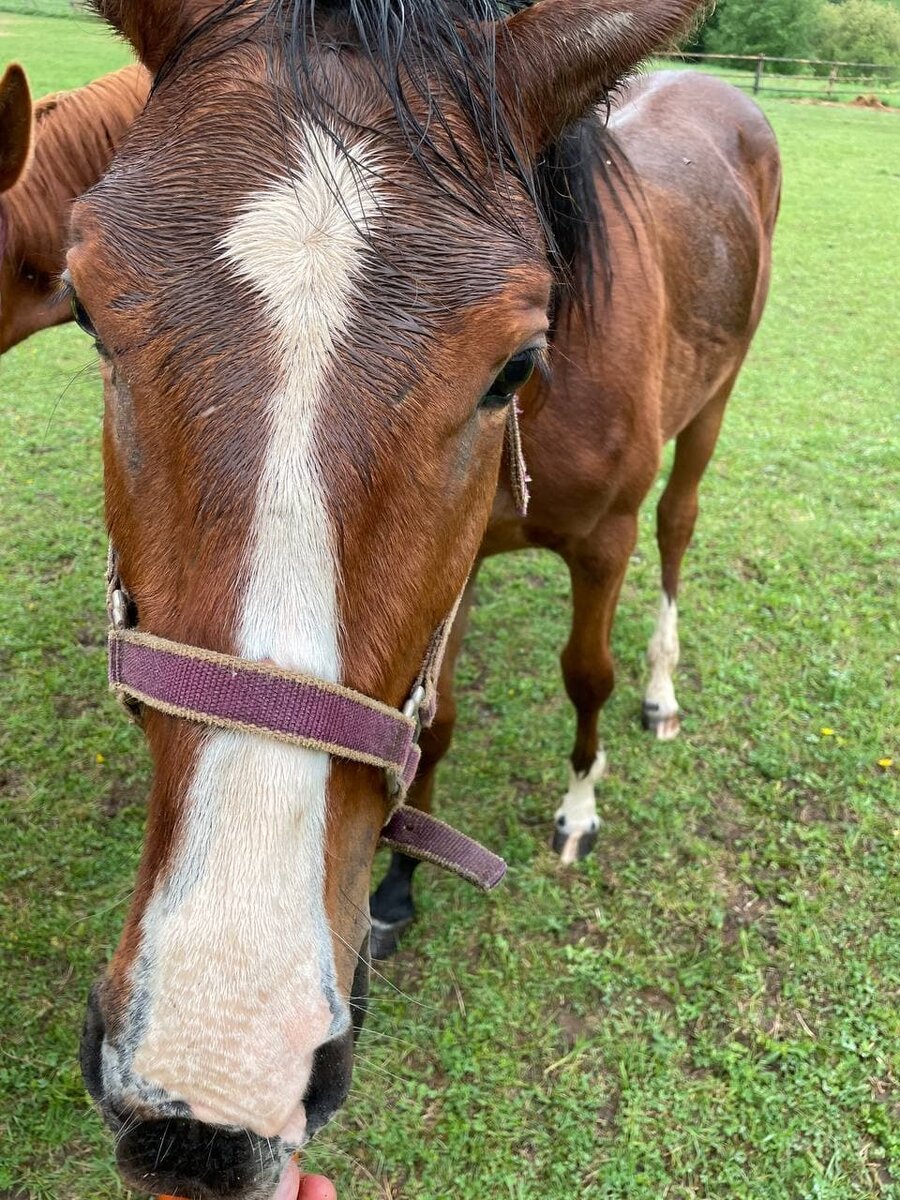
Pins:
x,y
317,273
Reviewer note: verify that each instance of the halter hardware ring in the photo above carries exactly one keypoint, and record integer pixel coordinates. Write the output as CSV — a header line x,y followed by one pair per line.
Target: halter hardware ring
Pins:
x,y
413,707
118,609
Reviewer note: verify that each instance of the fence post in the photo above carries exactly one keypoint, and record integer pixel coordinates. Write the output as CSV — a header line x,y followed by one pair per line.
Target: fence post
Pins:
x,y
760,67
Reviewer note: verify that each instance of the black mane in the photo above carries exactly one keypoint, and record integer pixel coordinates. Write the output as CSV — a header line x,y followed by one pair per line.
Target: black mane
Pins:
x,y
417,47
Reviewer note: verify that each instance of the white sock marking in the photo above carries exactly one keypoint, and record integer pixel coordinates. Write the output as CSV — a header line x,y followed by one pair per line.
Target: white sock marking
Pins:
x,y
579,807
236,963
662,654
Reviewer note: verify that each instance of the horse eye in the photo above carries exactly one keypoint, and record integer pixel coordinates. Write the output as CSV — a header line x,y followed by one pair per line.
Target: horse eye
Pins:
x,y
514,375
82,319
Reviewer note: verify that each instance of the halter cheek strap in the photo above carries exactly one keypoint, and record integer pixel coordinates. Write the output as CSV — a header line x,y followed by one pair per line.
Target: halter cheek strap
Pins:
x,y
235,693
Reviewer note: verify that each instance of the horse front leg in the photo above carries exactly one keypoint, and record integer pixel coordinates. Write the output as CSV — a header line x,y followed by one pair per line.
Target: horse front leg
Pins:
x,y
391,905
597,567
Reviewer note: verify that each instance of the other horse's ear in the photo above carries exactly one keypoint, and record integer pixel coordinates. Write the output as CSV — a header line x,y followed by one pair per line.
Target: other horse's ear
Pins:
x,y
557,58
15,126
154,27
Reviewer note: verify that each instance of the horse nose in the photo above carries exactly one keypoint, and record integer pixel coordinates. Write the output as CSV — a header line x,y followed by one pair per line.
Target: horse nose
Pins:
x,y
183,1157
91,1051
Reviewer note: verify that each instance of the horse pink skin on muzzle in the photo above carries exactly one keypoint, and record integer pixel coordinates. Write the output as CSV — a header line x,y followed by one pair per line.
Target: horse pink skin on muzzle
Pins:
x,y
314,307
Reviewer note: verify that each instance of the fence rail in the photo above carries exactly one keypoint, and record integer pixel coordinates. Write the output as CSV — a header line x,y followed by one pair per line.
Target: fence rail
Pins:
x,y
822,78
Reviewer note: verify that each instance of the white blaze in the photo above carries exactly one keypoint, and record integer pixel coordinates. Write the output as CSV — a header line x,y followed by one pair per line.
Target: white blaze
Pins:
x,y
236,964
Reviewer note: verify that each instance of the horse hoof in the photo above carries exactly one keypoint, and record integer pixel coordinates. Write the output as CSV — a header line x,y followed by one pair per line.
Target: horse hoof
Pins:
x,y
573,847
665,729
384,937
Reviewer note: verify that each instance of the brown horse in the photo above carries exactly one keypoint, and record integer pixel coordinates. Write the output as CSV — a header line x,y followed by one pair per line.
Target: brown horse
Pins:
x,y
74,135
690,212
323,263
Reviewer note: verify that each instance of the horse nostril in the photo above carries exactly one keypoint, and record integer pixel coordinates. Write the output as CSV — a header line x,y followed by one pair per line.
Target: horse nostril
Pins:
x,y
90,1054
333,1063
183,1157
329,1082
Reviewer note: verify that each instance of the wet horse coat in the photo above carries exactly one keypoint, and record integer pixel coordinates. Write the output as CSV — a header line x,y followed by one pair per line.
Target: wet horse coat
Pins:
x,y
688,176
317,273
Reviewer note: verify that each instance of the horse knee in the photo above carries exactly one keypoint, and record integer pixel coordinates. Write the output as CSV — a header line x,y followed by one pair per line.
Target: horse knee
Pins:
x,y
588,685
676,517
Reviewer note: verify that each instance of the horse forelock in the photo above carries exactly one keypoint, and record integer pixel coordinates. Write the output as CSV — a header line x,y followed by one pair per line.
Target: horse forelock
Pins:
x,y
432,61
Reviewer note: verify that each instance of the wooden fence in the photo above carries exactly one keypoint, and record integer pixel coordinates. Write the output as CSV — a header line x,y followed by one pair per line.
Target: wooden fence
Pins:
x,y
816,78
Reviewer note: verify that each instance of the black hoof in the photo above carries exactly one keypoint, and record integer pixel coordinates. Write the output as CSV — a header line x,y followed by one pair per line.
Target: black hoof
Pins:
x,y
573,847
384,938
664,729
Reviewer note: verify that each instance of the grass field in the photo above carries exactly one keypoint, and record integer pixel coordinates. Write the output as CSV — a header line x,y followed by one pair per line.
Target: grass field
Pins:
x,y
706,1010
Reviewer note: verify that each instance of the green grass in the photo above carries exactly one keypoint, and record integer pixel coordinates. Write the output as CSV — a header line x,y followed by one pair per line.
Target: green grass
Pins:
x,y
707,1010
59,54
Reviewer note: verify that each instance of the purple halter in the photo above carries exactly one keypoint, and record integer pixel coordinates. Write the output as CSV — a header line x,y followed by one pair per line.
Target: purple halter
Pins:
x,y
235,693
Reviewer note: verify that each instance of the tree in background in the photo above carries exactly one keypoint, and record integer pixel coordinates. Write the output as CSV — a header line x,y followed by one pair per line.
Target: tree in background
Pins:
x,y
783,28
861,31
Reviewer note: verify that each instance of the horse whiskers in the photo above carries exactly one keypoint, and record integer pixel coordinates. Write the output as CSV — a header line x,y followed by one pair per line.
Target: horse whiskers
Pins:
x,y
101,912
92,366
367,1031
345,1154
212,1142
401,994
127,1127
365,1062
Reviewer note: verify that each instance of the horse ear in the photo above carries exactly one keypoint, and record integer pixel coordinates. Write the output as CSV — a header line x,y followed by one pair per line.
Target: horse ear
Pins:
x,y
557,58
15,126
154,27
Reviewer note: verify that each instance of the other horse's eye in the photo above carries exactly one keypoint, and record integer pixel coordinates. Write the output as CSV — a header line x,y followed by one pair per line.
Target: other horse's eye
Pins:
x,y
514,375
82,319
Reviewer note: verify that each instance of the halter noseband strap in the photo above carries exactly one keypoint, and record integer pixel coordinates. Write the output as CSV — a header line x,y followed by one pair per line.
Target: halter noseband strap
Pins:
x,y
236,693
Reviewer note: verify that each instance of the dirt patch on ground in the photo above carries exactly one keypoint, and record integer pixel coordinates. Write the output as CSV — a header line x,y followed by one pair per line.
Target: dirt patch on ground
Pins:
x,y
868,101
575,1028
121,795
11,784
70,707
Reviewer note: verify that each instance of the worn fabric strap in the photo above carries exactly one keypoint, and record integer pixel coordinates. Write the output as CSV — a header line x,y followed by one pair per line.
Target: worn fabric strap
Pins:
x,y
235,693
425,837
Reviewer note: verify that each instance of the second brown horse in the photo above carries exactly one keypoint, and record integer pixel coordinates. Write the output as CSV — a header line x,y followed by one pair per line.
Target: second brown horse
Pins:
x,y
688,176
50,153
